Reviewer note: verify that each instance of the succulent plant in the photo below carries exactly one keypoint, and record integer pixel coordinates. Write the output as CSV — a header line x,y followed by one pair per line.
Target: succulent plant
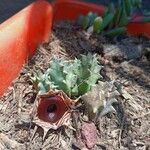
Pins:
x,y
61,81
75,77
99,99
97,24
115,18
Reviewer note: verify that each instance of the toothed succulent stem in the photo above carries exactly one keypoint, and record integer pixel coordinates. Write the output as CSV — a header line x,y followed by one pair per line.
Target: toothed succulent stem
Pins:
x,y
74,77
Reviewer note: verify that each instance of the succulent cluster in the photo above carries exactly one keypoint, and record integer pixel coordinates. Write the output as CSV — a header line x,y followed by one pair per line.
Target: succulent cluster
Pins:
x,y
99,99
62,81
74,77
114,20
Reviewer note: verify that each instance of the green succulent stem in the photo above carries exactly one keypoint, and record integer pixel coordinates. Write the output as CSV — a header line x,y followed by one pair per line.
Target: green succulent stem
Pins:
x,y
117,15
74,77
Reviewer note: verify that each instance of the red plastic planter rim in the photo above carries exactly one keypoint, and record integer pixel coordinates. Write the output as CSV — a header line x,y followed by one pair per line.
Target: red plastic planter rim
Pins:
x,y
21,34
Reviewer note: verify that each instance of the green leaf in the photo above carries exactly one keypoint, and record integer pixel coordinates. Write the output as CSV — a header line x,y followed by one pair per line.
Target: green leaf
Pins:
x,y
56,70
91,17
124,18
105,13
42,88
107,20
85,22
116,32
79,20
111,8
117,16
70,78
128,7
83,88
97,25
89,69
63,86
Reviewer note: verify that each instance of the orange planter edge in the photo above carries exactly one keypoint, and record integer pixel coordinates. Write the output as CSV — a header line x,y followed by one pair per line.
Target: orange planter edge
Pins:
x,y
71,9
21,34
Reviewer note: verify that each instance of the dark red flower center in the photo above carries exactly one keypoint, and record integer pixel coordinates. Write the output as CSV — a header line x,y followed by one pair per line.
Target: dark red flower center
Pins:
x,y
51,109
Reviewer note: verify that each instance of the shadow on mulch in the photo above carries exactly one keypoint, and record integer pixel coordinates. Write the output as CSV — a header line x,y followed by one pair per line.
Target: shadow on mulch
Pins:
x,y
138,78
